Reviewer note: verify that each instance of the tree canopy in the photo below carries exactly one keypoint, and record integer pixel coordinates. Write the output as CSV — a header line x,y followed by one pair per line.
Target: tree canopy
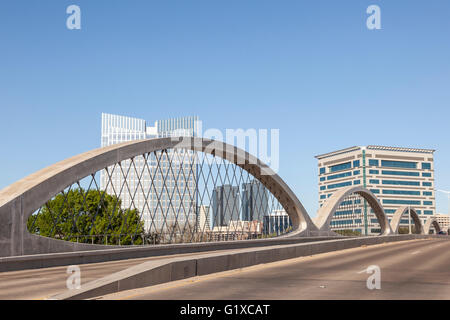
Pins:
x,y
88,216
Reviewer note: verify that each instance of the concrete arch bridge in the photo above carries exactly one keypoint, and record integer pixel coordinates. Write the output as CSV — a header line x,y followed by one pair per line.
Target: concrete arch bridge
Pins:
x,y
164,191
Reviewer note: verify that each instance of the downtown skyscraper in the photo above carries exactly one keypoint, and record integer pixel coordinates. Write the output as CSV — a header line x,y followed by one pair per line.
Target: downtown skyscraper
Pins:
x,y
149,186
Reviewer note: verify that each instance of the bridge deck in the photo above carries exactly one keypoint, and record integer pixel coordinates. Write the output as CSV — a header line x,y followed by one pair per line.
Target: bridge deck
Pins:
x,y
36,284
417,269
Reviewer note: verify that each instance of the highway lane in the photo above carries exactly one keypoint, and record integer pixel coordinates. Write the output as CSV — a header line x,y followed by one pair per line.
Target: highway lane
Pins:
x,y
418,269
46,282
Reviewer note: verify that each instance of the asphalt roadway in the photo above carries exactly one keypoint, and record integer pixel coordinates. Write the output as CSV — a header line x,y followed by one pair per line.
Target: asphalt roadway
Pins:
x,y
417,269
40,284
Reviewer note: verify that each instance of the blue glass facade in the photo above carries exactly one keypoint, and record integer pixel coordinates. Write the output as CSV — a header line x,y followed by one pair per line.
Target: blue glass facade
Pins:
x,y
340,175
400,173
341,166
403,192
397,176
399,164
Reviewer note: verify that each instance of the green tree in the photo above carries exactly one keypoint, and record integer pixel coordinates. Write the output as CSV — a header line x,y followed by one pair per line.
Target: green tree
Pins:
x,y
405,230
88,216
348,232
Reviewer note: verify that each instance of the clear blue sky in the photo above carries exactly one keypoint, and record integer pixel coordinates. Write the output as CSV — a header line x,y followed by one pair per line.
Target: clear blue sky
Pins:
x,y
309,68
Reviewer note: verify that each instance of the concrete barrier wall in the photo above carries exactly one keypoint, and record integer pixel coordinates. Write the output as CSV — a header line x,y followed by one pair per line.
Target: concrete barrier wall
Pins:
x,y
113,254
171,269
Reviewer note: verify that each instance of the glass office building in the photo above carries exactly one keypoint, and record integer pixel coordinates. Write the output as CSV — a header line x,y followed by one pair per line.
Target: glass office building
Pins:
x,y
276,222
255,201
397,176
225,205
160,206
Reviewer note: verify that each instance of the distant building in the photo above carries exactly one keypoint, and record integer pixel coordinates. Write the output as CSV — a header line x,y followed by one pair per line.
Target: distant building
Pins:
x,y
397,176
255,201
443,220
251,227
154,194
276,222
203,219
225,205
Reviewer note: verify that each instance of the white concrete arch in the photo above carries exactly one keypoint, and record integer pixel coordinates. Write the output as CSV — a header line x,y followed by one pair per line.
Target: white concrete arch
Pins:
x,y
431,221
327,211
396,218
21,199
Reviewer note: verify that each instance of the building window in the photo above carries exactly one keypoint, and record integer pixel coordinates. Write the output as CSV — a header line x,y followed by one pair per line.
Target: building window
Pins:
x,y
322,170
426,184
374,181
426,174
339,185
401,183
341,166
428,203
357,182
408,202
376,191
404,192
429,212
340,175
426,165
356,172
400,173
427,193
322,179
374,171
374,163
399,164
356,163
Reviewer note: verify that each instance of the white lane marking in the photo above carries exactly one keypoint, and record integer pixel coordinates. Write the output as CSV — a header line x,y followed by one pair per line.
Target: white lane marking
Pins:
x,y
415,252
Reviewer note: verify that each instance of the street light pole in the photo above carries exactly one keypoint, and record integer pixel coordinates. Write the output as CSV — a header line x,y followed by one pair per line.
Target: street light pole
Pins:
x,y
409,218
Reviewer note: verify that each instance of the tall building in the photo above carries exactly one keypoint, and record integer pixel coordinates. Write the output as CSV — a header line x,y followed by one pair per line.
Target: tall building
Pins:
x,y
276,222
225,205
397,176
255,201
149,186
443,220
203,219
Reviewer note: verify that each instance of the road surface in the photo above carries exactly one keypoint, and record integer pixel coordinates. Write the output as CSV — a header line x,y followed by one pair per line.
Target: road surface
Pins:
x,y
37,284
417,269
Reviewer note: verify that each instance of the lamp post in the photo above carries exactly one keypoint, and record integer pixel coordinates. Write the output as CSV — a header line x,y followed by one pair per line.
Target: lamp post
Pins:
x,y
409,219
